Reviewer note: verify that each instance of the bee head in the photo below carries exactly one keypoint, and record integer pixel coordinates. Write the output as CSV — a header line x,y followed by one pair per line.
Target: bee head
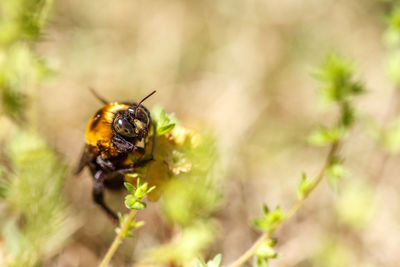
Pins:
x,y
133,122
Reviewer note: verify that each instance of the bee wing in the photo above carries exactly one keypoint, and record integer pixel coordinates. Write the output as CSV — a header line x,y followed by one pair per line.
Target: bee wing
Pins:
x,y
87,157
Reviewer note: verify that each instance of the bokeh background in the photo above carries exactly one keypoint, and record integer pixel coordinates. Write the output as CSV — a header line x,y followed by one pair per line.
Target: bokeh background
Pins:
x,y
242,69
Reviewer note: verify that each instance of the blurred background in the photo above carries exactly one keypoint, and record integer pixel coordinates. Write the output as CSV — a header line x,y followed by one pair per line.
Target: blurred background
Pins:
x,y
241,69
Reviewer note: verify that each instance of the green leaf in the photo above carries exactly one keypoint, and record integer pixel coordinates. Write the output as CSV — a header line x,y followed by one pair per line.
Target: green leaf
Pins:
x,y
216,262
265,209
199,263
269,221
304,187
151,189
130,187
133,225
139,172
165,129
324,136
131,202
347,118
266,250
336,78
261,262
335,173
139,224
164,123
121,218
13,103
139,206
141,190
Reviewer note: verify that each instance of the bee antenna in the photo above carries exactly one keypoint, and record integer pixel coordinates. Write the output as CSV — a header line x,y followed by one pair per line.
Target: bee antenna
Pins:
x,y
101,99
141,101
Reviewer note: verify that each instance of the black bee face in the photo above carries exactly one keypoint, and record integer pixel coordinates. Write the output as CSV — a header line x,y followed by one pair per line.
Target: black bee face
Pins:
x,y
123,127
133,122
140,118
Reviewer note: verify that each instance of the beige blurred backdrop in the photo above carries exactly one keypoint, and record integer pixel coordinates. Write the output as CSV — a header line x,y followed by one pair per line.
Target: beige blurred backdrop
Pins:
x,y
241,68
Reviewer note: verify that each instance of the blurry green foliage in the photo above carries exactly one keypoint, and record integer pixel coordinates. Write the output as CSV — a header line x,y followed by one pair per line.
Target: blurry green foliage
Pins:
x,y
35,223
305,186
191,197
185,171
34,198
3,183
193,193
184,248
215,262
190,201
336,78
338,85
348,114
335,172
333,253
355,206
132,225
21,69
393,67
390,137
324,136
392,42
265,252
270,220
22,19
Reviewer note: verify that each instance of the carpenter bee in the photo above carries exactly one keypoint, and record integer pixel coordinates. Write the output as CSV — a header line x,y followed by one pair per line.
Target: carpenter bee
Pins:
x,y
120,138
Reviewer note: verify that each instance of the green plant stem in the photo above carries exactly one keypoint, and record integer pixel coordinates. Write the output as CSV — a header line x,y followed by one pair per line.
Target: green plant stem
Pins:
x,y
118,239
252,250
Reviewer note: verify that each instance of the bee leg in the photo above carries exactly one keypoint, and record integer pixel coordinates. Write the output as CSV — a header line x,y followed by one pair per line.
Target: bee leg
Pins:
x,y
133,167
122,144
115,181
127,169
105,164
139,150
98,196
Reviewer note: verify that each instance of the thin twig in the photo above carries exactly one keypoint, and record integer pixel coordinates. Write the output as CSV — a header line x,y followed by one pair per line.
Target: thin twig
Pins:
x,y
252,250
118,239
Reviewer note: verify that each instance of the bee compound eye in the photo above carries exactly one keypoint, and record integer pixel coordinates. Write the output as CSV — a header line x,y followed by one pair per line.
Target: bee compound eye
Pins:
x,y
139,114
142,116
123,127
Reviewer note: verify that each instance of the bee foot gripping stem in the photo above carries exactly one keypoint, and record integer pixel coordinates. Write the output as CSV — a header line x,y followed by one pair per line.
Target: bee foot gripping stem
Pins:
x,y
98,197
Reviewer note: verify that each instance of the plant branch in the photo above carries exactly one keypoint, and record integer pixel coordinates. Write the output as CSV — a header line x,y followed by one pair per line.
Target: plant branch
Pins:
x,y
252,250
118,239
